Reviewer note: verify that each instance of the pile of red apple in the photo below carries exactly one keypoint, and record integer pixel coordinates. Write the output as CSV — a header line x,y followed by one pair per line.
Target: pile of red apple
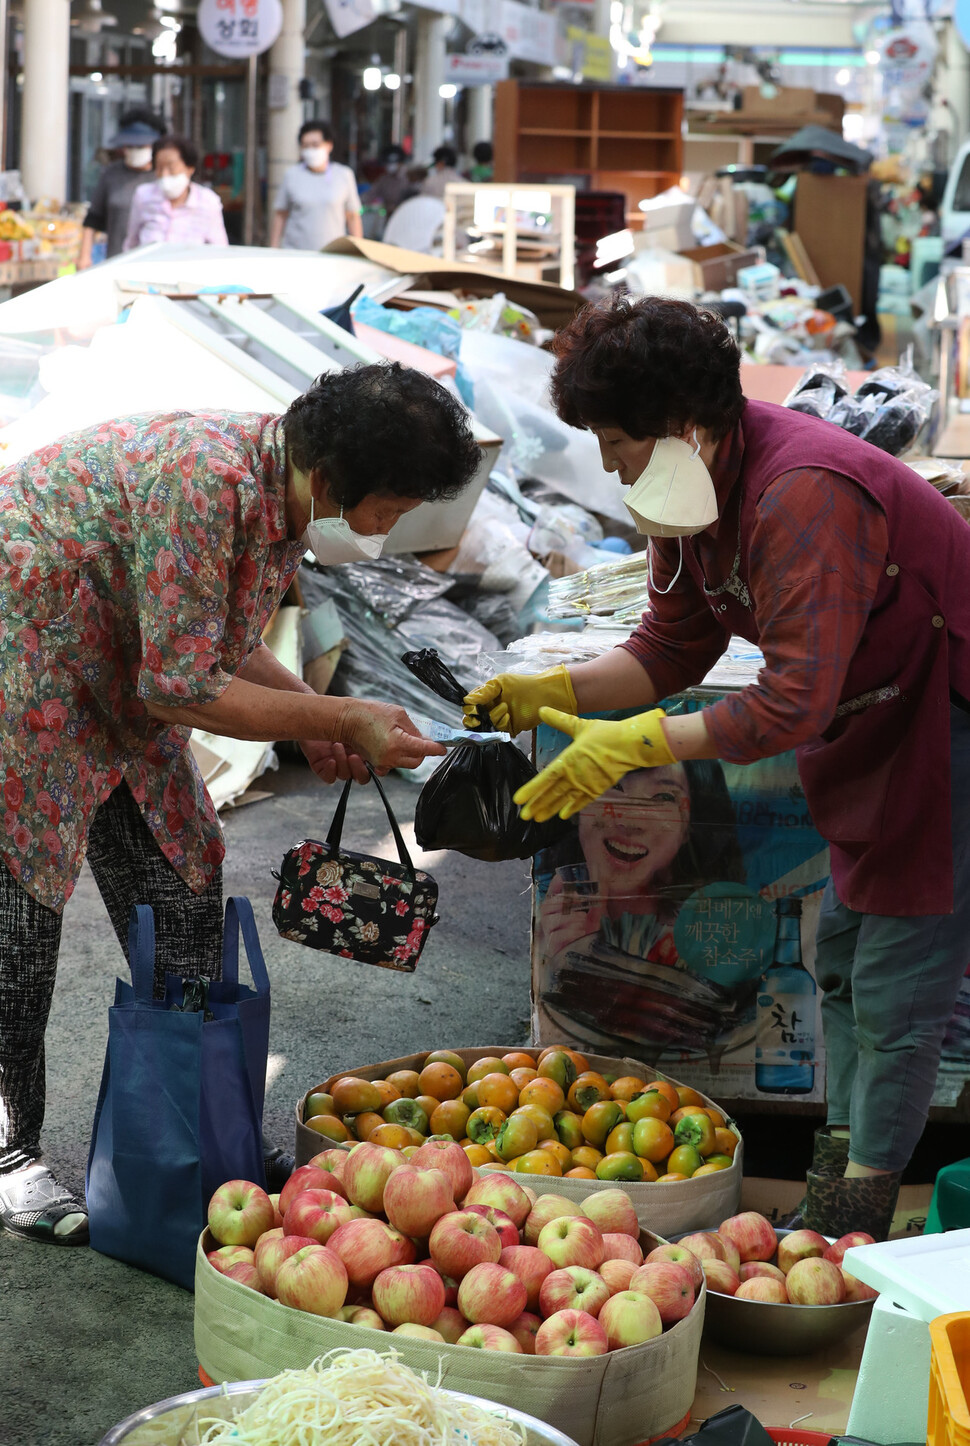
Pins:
x,y
745,1258
424,1248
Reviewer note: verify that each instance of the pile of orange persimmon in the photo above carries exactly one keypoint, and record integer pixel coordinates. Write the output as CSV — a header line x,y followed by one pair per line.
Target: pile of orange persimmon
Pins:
x,y
536,1113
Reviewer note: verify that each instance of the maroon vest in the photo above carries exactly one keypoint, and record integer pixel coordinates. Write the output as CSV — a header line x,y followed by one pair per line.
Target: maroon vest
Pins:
x,y
877,780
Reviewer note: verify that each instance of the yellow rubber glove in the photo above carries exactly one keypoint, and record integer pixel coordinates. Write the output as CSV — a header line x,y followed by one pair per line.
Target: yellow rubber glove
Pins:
x,y
599,756
513,700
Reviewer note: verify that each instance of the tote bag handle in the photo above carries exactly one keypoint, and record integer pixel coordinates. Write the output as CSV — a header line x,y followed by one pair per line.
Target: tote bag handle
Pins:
x,y
336,827
240,919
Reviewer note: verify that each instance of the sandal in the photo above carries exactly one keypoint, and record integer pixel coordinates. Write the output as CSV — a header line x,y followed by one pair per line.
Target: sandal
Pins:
x,y
32,1205
279,1167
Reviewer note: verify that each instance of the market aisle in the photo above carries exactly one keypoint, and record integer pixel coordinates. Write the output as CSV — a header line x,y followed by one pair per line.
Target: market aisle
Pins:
x,y
85,1340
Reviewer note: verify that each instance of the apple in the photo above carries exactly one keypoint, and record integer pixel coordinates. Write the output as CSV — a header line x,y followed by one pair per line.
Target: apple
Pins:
x,y
274,1200
419,1333
856,1289
414,1200
752,1235
800,1245
670,1288
618,1274
814,1281
704,1245
573,1288
847,1242
525,1330
533,1196
531,1266
629,1319
677,1255
239,1213
332,1159
490,1338
720,1276
246,1274
367,1247
731,1253
451,1325
314,1280
612,1211
450,1158
309,1177
462,1240
227,1256
546,1209
572,1333
491,1295
763,1287
448,1281
368,1169
360,1315
504,1194
572,1240
316,1213
408,1293
271,1250
622,1247
753,1269
507,1232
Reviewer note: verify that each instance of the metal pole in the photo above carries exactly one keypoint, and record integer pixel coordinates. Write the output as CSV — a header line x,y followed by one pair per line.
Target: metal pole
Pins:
x,y
3,85
249,200
401,68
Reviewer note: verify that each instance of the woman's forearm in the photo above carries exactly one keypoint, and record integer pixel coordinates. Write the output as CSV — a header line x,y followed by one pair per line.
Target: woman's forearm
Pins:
x,y
260,713
616,680
265,668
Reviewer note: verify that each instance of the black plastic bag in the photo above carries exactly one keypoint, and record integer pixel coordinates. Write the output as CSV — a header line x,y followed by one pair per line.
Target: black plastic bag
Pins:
x,y
466,805
734,1426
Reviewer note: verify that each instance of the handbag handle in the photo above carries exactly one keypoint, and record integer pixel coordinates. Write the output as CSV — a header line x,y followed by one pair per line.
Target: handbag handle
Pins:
x,y
337,824
141,951
240,919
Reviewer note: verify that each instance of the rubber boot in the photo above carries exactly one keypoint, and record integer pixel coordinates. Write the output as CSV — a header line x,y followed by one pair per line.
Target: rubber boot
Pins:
x,y
836,1207
830,1155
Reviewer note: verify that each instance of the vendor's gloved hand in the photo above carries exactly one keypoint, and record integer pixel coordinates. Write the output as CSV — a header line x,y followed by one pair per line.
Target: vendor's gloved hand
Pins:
x,y
513,700
600,754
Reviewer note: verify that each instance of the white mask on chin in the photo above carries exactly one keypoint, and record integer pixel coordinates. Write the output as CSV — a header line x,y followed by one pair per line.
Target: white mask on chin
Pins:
x,y
333,540
674,496
174,186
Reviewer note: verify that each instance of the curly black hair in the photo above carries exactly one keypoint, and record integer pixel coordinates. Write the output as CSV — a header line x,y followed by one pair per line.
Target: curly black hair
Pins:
x,y
384,429
649,366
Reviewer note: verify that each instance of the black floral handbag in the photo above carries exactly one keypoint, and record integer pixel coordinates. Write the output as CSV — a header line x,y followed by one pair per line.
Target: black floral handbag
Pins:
x,y
353,905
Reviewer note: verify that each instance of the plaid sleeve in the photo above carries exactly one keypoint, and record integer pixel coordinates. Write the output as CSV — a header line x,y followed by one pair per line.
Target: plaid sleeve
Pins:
x,y
817,553
679,640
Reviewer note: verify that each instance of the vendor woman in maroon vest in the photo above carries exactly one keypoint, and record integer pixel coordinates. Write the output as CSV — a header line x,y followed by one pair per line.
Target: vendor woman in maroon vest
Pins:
x,y
852,575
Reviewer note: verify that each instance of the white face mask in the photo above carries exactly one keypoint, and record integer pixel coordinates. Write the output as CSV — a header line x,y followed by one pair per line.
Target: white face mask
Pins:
x,y
138,157
674,496
174,186
315,157
333,540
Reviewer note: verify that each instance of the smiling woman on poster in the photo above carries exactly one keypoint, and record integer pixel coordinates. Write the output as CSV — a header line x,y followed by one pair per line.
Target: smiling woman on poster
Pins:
x,y
849,572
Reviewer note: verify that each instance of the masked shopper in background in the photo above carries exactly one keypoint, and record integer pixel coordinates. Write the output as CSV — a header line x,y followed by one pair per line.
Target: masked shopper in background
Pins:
x,y
110,205
140,561
849,572
317,201
173,207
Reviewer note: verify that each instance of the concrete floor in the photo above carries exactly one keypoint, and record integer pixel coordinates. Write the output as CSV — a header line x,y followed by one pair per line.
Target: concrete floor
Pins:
x,y
85,1340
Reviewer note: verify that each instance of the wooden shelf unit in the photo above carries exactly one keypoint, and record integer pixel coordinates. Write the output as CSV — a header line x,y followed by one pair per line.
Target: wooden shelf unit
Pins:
x,y
610,138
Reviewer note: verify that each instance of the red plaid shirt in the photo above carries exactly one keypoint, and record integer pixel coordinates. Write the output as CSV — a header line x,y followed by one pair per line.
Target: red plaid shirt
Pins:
x,y
815,558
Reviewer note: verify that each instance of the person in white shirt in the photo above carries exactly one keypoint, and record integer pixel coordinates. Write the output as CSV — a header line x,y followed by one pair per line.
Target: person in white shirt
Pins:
x,y
317,200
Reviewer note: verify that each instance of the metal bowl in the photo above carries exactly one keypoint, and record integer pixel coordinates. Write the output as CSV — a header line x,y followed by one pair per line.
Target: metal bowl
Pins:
x,y
175,1422
763,1328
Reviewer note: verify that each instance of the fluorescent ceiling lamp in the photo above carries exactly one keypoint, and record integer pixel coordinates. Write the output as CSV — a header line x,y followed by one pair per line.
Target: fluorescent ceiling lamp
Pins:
x,y
392,80
447,91
372,77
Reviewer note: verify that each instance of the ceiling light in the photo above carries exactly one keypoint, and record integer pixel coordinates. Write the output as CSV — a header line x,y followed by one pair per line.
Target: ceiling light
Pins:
x,y
872,57
392,80
447,92
843,76
372,77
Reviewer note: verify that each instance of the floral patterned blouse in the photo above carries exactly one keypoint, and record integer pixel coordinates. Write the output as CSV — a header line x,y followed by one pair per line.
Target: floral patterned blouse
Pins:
x,y
140,560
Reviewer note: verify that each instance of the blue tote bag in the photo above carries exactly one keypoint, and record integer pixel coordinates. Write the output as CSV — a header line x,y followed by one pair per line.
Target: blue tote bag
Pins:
x,y
181,1102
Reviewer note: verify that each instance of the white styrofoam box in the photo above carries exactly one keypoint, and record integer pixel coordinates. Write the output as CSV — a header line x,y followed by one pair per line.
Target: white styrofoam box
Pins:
x,y
891,1399
929,1275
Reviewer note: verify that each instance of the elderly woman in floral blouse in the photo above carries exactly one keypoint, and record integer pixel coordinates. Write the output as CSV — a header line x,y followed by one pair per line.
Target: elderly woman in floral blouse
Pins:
x,y
139,563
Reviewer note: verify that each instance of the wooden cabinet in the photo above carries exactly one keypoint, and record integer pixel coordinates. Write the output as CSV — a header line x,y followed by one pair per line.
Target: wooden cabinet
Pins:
x,y
601,138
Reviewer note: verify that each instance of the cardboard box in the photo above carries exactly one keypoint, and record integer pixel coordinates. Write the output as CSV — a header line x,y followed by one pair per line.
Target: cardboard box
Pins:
x,y
830,218
716,267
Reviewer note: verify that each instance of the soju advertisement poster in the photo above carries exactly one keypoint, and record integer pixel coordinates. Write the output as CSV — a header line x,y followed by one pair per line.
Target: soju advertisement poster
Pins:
x,y
658,929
